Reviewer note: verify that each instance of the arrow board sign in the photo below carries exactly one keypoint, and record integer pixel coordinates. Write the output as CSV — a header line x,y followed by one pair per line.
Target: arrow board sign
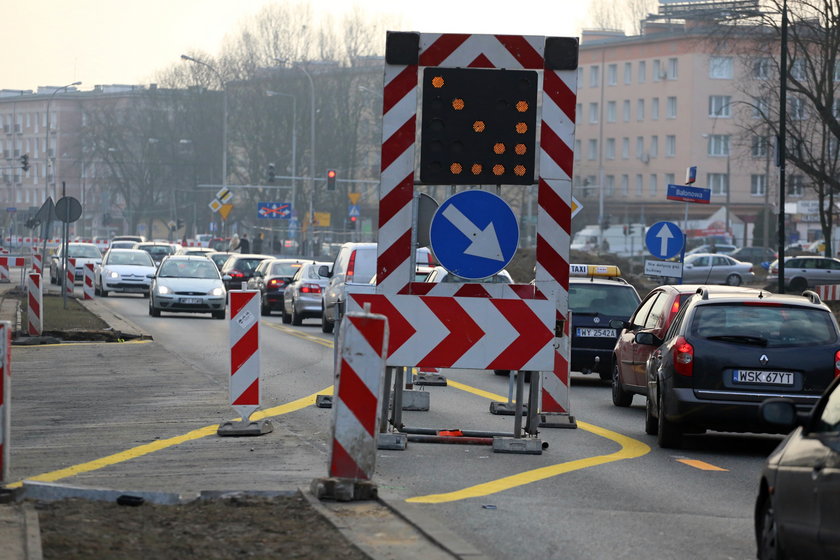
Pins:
x,y
274,210
474,234
664,240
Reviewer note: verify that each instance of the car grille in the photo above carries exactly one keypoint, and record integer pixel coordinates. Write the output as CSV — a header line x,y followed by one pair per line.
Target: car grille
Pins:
x,y
190,293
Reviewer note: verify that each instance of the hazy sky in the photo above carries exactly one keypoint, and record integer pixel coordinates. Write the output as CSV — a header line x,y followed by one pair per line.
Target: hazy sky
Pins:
x,y
56,42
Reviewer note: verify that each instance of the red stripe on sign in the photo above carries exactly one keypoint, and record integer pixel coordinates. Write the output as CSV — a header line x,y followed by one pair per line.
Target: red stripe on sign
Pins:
x,y
393,257
554,205
399,87
464,333
561,365
522,51
397,199
556,149
533,334
399,329
526,291
552,262
250,396
481,61
238,300
355,395
244,348
398,142
342,464
372,329
445,45
34,306
559,92
420,288
549,404
36,280
472,290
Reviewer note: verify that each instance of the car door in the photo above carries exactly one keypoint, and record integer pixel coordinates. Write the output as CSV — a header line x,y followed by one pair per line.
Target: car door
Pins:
x,y
336,282
627,349
698,270
827,431
831,271
721,268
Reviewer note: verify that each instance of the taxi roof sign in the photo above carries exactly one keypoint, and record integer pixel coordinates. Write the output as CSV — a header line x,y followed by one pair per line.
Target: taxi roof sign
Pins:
x,y
597,270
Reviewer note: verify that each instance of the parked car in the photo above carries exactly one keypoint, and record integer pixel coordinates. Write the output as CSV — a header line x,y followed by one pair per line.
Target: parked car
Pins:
x,y
125,271
239,268
805,272
83,253
597,295
271,278
796,512
158,250
219,258
440,274
302,297
710,268
755,255
187,284
726,352
654,315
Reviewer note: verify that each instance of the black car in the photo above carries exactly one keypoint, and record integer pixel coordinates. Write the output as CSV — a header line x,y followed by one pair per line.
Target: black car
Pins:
x,y
240,268
726,352
755,255
798,507
597,295
271,278
219,258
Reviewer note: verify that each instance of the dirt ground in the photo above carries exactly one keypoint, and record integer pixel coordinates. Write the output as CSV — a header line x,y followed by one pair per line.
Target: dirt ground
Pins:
x,y
237,527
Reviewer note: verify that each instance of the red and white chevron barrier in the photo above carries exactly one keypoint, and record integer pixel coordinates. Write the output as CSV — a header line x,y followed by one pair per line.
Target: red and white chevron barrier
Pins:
x,y
70,276
36,263
87,287
5,398
828,292
244,383
35,304
6,263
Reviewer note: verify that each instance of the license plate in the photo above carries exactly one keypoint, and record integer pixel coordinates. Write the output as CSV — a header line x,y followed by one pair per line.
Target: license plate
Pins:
x,y
597,333
762,377
190,300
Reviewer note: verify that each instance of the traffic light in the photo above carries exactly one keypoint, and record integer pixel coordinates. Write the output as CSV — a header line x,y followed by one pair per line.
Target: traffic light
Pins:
x,y
24,162
330,179
272,173
351,222
631,230
180,223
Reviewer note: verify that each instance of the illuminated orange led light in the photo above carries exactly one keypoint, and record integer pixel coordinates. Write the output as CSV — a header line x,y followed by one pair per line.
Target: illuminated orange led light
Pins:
x,y
437,82
522,106
498,169
478,126
457,104
476,169
520,149
521,127
456,168
519,170
499,148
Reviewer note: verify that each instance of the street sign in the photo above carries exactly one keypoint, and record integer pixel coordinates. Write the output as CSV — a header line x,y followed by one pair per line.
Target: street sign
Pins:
x,y
685,193
354,197
576,206
474,234
215,205
691,175
68,209
664,240
11,209
353,211
669,269
224,195
274,210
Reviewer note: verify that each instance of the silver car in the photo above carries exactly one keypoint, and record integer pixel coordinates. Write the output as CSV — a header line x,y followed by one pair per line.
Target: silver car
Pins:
x,y
187,284
302,297
125,271
802,273
714,268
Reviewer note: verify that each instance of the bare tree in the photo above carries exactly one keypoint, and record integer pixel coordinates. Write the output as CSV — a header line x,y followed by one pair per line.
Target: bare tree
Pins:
x,y
626,16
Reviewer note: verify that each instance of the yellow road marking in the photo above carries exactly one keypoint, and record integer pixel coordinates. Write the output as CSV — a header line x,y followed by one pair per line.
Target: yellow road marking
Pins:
x,y
702,465
303,335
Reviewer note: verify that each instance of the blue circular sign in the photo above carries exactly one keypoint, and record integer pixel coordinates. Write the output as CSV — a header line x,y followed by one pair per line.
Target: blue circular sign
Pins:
x,y
474,234
664,240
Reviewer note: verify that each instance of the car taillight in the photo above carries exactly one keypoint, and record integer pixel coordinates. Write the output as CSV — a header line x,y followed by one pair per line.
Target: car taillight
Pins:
x,y
351,267
683,357
310,289
276,283
236,274
837,364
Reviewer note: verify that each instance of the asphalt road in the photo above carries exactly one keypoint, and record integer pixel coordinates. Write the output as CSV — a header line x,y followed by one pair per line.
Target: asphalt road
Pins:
x,y
602,491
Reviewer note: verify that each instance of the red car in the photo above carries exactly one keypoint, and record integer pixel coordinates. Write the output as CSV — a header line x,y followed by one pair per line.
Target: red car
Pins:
x,y
653,315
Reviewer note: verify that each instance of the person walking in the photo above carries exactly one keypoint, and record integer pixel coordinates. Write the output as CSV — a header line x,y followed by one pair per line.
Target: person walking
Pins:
x,y
244,244
258,243
234,243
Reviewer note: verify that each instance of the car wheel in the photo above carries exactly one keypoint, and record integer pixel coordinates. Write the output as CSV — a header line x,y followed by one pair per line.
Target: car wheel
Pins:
x,y
651,422
104,292
219,314
152,310
620,397
265,310
96,290
798,285
733,280
326,326
768,533
669,434
285,316
297,318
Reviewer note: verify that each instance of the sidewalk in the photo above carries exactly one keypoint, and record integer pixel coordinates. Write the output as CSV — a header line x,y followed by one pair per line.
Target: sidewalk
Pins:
x,y
85,402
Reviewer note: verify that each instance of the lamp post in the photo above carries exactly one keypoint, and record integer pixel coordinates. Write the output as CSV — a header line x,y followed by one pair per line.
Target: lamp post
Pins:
x,y
47,137
294,145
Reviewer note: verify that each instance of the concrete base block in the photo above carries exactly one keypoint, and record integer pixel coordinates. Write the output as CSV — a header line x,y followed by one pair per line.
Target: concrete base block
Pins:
x,y
50,491
244,428
396,442
415,400
323,401
430,379
343,489
525,446
506,409
557,420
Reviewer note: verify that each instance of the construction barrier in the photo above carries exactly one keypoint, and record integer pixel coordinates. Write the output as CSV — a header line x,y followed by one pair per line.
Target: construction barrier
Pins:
x,y
244,383
8,262
554,402
5,398
87,287
36,263
830,292
35,304
359,383
70,276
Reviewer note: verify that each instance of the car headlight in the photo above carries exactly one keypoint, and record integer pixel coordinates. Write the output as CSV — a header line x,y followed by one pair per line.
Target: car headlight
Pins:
x,y
164,290
217,292
112,274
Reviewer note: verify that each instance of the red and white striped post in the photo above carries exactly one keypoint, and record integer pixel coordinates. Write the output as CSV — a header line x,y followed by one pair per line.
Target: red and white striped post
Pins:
x,y
360,374
36,263
8,262
70,276
5,397
87,287
244,381
35,304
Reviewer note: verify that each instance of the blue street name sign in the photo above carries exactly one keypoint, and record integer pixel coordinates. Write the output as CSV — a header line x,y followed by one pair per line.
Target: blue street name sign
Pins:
x,y
664,240
274,210
685,193
474,234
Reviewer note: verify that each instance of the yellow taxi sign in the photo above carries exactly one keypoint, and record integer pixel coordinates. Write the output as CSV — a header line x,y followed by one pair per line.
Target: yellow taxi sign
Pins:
x,y
598,270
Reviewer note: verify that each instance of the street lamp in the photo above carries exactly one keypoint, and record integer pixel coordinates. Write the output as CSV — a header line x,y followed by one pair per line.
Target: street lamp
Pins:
x,y
224,111
47,137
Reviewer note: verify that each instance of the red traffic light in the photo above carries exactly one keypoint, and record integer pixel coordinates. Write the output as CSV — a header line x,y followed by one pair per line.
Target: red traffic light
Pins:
x,y
331,174
330,179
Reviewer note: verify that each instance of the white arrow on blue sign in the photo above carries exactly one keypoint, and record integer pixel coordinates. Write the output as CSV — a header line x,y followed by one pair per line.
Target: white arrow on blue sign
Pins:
x,y
274,210
664,240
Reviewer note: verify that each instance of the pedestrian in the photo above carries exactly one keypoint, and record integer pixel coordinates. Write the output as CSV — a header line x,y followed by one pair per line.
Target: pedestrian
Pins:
x,y
244,244
258,243
234,243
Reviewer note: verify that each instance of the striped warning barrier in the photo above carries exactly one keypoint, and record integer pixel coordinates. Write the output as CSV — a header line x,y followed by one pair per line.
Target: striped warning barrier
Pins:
x,y
87,287
830,292
36,263
35,304
6,263
70,276
244,383
5,398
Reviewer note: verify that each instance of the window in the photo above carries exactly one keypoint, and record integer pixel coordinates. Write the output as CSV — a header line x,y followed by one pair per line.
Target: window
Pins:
x,y
797,109
719,106
761,107
612,74
610,148
628,72
640,110
577,150
610,111
759,146
639,184
652,184
718,182
625,109
796,185
758,185
658,74
670,145
673,68
654,109
670,178
654,146
594,76
640,146
593,149
642,71
797,70
609,187
625,148
720,67
625,184
718,145
593,112
761,68
671,108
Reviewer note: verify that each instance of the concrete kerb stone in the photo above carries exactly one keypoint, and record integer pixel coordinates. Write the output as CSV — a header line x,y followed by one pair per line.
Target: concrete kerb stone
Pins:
x,y
20,532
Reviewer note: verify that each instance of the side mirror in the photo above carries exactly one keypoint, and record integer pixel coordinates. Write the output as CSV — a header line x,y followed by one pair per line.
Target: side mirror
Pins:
x,y
648,339
150,275
324,271
619,324
227,277
779,412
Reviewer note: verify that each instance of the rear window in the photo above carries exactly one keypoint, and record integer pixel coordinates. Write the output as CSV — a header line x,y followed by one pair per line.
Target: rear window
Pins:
x,y
364,265
246,264
83,252
620,300
774,325
284,269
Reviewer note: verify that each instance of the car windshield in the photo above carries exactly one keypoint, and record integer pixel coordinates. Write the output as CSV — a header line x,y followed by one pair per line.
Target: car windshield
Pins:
x,y
130,259
158,251
765,325
619,300
83,252
246,265
284,269
188,269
